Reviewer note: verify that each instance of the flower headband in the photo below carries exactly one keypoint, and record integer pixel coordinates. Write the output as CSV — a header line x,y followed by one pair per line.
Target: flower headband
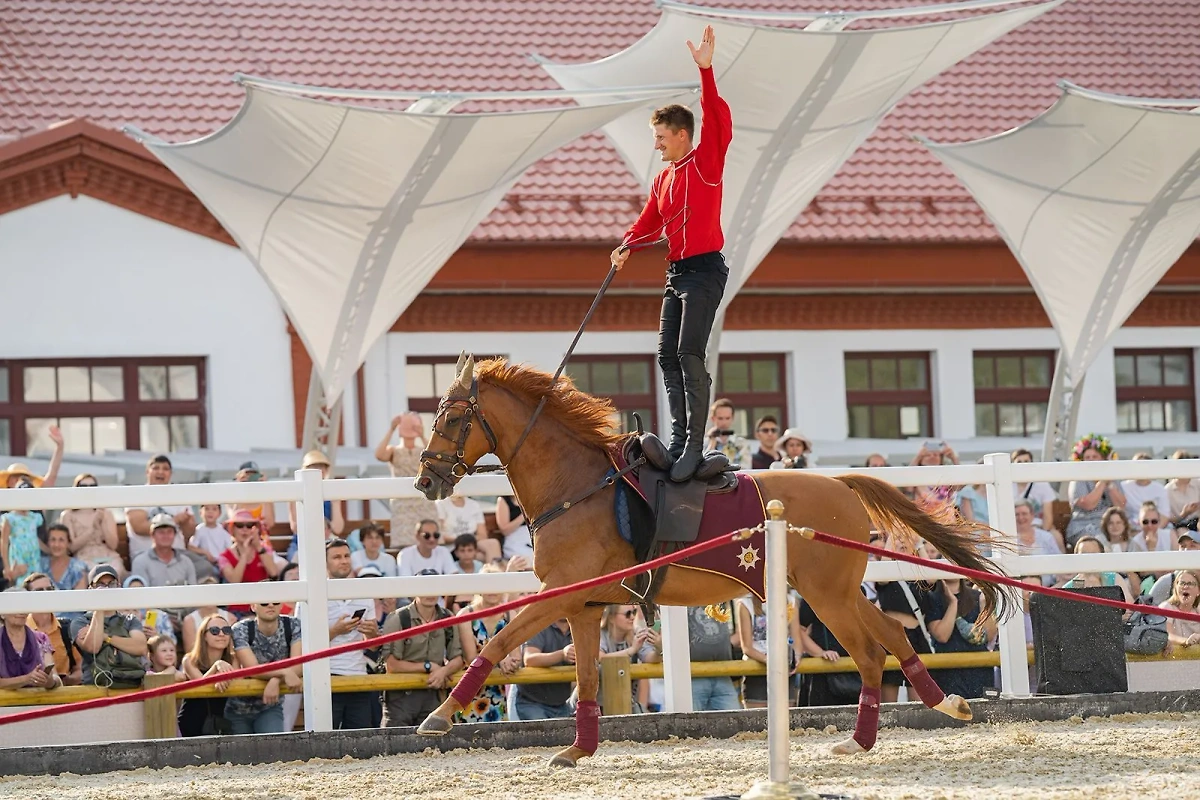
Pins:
x,y
1092,441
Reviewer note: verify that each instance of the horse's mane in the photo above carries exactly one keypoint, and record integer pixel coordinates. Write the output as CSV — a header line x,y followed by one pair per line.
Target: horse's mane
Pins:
x,y
589,419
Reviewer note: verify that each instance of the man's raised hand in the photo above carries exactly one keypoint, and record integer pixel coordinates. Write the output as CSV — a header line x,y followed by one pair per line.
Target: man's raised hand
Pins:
x,y
703,54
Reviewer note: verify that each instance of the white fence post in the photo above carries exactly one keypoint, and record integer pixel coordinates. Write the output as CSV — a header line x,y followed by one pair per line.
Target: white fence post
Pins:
x,y
314,632
1014,659
677,660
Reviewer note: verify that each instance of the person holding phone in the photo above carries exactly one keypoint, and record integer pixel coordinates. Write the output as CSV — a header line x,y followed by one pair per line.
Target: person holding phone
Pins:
x,y
934,453
26,656
623,632
349,621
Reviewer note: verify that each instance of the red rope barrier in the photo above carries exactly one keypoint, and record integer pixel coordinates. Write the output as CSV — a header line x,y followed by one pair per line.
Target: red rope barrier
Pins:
x,y
976,574
271,666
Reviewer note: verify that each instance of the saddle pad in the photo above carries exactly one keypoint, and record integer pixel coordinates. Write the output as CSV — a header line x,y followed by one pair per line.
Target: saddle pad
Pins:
x,y
723,513
742,561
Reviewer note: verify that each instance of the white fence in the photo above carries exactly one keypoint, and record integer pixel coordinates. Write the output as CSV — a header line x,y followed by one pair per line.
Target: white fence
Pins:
x,y
313,589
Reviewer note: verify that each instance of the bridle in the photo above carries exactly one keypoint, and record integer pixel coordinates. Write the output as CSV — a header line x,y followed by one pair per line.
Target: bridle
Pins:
x,y
450,468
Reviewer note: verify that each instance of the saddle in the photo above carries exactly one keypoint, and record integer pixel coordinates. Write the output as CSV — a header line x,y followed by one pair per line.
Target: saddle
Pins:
x,y
672,510
677,507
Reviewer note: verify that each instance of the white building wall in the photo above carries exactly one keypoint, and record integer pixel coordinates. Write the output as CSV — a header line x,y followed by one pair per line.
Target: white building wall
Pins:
x,y
83,278
816,377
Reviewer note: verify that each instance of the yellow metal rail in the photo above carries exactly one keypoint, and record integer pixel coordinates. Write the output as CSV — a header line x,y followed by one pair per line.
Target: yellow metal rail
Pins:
x,y
409,681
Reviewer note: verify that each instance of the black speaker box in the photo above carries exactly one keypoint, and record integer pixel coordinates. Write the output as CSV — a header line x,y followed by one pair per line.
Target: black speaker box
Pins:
x,y
1079,647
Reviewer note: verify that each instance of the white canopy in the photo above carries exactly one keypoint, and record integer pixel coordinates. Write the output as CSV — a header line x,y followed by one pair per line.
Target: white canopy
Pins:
x,y
1096,198
349,211
802,100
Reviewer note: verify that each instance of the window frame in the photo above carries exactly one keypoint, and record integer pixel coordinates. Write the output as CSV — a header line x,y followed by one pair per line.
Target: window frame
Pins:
x,y
426,405
755,399
995,395
625,402
871,397
16,410
1138,393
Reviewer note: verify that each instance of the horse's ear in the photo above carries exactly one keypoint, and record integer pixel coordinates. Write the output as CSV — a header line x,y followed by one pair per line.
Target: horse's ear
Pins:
x,y
467,372
462,359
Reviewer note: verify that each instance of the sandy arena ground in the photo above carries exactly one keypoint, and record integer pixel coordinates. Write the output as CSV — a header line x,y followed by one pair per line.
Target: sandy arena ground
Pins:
x,y
1130,756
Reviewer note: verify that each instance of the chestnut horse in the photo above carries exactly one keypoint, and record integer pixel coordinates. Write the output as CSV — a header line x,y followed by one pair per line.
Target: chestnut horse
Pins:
x,y
565,454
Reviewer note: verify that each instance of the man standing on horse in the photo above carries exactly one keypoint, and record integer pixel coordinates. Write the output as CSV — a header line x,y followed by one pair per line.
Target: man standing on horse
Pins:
x,y
685,207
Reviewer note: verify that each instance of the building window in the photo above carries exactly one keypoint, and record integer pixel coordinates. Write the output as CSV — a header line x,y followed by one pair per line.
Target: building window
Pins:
x,y
1012,390
154,404
1156,390
628,381
756,384
426,380
888,395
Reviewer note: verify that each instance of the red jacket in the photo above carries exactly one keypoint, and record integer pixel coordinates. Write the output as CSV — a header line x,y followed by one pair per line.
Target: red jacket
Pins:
x,y
685,198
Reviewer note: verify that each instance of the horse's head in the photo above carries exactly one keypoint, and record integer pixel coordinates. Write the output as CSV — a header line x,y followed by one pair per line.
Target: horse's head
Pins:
x,y
461,436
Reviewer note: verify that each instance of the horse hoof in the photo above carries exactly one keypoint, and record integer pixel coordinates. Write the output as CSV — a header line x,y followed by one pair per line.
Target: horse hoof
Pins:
x,y
847,748
434,726
954,706
569,757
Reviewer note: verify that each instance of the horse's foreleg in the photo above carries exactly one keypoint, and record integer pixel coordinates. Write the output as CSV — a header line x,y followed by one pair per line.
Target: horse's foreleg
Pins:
x,y
585,635
528,621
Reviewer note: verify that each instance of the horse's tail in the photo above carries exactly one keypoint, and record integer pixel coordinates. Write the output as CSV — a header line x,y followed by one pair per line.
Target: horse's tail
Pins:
x,y
957,539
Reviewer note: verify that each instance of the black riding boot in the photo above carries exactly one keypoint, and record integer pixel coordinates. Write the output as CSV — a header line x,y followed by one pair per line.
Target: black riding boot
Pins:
x,y
677,405
696,384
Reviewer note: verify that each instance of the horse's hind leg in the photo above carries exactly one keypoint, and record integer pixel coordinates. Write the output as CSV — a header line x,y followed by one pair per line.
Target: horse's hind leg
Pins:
x,y
585,635
842,618
528,621
891,634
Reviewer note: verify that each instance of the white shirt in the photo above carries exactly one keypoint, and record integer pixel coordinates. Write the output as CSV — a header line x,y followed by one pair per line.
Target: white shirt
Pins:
x,y
215,540
385,563
412,562
1166,538
1040,492
1136,495
457,520
354,662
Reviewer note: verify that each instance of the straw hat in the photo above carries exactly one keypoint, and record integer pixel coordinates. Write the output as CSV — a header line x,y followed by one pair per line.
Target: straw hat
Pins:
x,y
19,470
314,458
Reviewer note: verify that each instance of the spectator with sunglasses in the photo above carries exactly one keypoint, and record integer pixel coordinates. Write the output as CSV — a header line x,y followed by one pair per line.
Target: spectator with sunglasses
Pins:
x,y
426,554
766,430
193,623
66,661
95,631
248,560
263,638
92,532
211,653
620,635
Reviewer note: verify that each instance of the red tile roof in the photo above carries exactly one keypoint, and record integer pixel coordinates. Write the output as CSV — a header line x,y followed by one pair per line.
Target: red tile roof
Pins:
x,y
165,65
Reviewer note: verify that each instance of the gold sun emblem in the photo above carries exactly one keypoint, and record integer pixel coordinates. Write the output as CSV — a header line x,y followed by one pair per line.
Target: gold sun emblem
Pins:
x,y
748,558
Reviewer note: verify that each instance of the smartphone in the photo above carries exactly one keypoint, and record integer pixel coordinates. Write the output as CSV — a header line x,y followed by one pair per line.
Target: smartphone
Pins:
x,y
151,619
657,626
358,614
933,446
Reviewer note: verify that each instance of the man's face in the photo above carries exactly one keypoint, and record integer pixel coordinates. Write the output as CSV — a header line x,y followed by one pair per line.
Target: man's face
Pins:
x,y
466,553
673,145
158,473
43,584
427,539
105,582
427,603
337,562
266,612
1188,543
768,434
722,418
164,536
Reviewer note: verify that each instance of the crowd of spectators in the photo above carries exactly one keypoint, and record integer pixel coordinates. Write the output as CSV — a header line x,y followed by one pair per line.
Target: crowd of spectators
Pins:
x,y
180,545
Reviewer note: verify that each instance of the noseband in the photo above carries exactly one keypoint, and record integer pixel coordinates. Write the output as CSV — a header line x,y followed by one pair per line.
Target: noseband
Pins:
x,y
451,468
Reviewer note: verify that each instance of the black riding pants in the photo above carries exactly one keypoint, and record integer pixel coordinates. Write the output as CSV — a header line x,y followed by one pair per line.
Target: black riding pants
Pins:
x,y
693,292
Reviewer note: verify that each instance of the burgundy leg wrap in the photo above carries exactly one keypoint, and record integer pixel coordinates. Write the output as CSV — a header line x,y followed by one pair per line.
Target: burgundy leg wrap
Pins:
x,y
472,681
866,727
930,693
587,726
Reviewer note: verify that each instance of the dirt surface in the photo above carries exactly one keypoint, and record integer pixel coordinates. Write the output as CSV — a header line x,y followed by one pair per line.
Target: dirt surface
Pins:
x,y
1128,756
